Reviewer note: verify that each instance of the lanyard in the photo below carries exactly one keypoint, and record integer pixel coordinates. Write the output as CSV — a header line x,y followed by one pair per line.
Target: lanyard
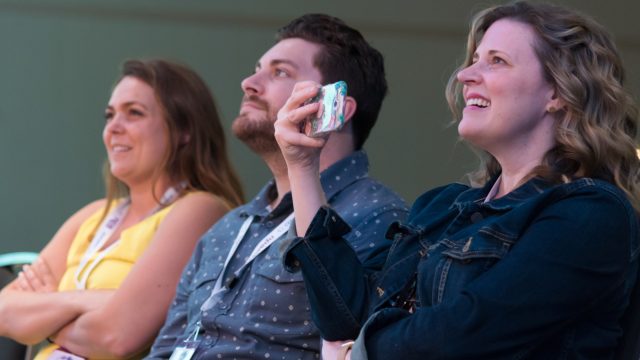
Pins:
x,y
219,288
108,226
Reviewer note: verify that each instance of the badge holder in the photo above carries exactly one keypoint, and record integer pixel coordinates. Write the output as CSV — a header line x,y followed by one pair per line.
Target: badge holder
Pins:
x,y
188,347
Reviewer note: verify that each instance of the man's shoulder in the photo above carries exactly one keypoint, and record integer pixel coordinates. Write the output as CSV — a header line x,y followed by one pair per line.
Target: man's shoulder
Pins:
x,y
227,224
367,199
367,191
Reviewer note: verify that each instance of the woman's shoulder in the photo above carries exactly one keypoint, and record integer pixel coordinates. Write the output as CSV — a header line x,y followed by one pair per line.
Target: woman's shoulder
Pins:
x,y
91,209
94,205
592,203
78,226
205,199
196,203
598,191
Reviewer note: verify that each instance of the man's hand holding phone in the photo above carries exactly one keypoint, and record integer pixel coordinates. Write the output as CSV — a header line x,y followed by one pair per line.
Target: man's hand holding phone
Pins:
x,y
330,115
304,122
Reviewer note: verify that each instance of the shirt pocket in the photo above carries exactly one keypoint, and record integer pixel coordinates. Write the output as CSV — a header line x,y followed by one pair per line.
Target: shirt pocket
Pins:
x,y
464,259
279,300
205,277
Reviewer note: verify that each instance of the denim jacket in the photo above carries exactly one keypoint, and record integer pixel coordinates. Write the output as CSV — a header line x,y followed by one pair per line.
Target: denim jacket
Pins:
x,y
544,272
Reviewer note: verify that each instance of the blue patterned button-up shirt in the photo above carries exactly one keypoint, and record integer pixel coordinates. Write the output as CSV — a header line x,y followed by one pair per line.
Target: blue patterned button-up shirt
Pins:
x,y
266,314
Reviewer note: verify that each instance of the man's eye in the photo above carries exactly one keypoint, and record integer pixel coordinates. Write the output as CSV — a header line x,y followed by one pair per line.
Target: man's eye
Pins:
x,y
281,73
108,115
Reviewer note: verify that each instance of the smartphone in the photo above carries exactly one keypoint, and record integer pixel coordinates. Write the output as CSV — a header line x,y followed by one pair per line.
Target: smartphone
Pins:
x,y
330,115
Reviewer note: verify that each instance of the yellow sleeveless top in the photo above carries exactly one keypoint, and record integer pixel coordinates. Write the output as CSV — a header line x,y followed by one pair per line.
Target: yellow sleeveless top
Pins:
x,y
115,266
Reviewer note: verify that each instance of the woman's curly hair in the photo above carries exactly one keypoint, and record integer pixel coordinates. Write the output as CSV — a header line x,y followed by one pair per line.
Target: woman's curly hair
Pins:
x,y
596,129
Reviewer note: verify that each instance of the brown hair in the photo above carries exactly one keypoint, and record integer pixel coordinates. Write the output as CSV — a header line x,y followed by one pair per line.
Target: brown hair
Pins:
x,y
346,56
189,111
595,131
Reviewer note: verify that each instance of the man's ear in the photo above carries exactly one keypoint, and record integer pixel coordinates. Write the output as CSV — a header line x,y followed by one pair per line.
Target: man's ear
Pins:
x,y
350,107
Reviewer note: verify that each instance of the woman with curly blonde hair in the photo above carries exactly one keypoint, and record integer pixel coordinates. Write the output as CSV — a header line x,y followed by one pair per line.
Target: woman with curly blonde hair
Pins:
x,y
597,124
538,259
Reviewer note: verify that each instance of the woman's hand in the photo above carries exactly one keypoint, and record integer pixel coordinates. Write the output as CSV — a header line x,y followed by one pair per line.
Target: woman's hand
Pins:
x,y
37,277
336,350
298,149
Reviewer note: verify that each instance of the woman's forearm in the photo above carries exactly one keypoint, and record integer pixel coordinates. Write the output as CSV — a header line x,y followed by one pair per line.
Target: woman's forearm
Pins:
x,y
30,317
92,335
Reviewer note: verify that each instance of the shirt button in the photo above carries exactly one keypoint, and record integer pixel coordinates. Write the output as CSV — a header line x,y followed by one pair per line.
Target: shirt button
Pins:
x,y
476,217
269,224
223,306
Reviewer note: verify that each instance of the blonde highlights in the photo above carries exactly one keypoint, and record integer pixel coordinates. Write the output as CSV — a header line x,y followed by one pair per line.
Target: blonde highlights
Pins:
x,y
596,128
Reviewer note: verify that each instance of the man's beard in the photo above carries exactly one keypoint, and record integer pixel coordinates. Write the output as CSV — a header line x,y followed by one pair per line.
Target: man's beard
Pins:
x,y
256,130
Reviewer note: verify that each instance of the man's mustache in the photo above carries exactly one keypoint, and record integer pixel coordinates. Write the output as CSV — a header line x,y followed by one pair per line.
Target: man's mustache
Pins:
x,y
256,101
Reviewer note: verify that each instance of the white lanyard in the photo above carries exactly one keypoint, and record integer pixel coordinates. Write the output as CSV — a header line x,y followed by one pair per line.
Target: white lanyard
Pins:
x,y
274,235
108,226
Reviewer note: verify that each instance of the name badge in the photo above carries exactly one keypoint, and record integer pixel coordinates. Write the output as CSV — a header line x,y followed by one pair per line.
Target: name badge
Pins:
x,y
184,352
63,355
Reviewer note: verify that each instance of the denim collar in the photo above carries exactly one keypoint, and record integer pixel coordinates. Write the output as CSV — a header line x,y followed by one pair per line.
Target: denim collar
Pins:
x,y
333,179
529,189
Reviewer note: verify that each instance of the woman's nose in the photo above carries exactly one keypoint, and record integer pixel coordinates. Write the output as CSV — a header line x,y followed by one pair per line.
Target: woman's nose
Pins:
x,y
114,124
469,74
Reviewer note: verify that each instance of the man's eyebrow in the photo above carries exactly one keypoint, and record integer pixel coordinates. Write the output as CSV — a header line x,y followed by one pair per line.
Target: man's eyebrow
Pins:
x,y
284,61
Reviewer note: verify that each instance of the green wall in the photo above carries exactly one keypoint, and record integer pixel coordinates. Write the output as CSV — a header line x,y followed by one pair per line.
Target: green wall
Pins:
x,y
60,58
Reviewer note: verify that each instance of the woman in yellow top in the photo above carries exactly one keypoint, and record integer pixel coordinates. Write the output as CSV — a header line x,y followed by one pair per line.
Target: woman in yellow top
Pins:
x,y
102,286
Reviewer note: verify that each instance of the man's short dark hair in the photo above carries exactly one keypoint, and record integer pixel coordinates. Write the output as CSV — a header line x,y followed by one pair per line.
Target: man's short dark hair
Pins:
x,y
347,56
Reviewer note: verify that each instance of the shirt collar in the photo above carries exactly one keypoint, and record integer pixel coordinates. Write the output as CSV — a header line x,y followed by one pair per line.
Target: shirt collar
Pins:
x,y
532,187
493,191
333,179
344,172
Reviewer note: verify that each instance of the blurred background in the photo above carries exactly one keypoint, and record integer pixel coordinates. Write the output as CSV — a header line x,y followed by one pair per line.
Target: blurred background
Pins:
x,y
59,60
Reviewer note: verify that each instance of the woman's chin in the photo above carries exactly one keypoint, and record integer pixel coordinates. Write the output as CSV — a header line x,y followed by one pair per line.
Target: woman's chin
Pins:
x,y
466,132
120,174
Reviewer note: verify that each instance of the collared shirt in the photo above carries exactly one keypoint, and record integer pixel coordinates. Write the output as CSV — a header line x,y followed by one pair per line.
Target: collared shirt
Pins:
x,y
266,315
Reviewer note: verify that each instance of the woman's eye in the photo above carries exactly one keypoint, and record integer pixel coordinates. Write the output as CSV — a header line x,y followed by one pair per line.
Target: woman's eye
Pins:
x,y
497,60
135,112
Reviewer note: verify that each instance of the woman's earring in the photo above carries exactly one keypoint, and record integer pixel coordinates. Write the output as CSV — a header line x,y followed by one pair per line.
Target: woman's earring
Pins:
x,y
552,109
